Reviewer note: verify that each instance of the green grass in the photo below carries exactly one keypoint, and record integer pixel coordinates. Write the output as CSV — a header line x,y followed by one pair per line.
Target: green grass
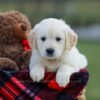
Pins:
x,y
83,12
92,52
75,12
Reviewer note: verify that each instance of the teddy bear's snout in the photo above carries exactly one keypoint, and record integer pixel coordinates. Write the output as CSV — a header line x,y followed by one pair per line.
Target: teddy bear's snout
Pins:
x,y
23,27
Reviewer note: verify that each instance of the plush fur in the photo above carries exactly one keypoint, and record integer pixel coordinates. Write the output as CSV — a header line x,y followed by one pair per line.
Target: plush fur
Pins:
x,y
14,27
82,95
53,45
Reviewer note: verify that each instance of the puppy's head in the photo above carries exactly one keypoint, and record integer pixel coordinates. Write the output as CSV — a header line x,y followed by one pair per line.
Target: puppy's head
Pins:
x,y
51,37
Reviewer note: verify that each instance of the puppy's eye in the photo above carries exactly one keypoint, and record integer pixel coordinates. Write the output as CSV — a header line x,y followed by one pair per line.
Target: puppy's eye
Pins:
x,y
58,39
43,38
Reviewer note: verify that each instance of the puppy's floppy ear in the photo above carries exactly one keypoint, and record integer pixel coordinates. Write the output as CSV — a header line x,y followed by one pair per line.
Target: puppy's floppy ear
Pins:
x,y
71,39
32,39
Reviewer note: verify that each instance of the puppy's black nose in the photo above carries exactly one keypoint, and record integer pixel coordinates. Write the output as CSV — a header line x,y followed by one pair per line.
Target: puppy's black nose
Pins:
x,y
50,51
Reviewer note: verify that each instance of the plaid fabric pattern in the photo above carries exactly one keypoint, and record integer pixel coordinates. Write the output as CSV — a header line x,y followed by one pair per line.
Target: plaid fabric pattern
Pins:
x,y
19,86
12,89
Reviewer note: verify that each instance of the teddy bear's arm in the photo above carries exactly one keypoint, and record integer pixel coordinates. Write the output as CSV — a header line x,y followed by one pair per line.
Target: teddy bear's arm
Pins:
x,y
6,63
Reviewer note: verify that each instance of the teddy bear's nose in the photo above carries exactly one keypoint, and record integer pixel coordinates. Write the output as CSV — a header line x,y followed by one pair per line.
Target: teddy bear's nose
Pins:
x,y
23,27
50,51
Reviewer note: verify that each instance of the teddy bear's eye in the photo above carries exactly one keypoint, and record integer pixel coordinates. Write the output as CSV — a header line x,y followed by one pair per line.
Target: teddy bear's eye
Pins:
x,y
58,39
43,38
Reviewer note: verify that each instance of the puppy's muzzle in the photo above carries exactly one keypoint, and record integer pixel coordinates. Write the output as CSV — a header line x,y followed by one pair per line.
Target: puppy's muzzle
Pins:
x,y
50,51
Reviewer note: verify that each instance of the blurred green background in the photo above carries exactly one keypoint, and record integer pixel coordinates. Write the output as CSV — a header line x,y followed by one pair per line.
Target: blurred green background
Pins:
x,y
84,18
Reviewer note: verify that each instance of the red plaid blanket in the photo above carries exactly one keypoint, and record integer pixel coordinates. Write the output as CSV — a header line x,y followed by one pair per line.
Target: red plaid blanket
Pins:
x,y
19,86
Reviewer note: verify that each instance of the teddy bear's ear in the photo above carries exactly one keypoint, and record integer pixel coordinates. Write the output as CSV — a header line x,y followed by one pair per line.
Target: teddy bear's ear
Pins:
x,y
21,31
71,39
32,39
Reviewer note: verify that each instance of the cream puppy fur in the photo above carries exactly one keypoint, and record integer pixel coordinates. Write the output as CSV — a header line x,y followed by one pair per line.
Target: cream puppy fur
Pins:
x,y
53,45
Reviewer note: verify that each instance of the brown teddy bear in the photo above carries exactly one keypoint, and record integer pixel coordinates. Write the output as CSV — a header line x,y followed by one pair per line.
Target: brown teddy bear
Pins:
x,y
14,27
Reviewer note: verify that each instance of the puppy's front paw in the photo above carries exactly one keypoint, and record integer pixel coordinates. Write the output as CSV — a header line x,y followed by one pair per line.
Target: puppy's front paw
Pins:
x,y
62,79
37,74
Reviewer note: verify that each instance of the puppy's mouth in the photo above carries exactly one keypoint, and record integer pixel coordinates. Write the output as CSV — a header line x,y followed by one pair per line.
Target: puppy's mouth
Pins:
x,y
49,56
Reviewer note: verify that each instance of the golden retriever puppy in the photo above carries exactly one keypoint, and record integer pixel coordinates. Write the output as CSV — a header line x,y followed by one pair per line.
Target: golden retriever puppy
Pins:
x,y
53,49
